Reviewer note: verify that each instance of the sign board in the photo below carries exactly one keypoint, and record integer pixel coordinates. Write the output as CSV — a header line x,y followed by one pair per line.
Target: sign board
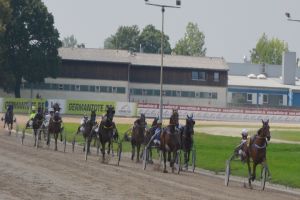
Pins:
x,y
126,109
79,107
22,105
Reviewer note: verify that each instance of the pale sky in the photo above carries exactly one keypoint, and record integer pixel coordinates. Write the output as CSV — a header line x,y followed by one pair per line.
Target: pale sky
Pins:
x,y
231,27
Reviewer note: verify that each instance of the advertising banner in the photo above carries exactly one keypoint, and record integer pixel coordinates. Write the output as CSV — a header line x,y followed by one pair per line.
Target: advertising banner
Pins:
x,y
126,109
79,107
61,102
22,105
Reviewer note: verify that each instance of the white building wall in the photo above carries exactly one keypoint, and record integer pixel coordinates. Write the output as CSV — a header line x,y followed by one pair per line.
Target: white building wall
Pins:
x,y
285,100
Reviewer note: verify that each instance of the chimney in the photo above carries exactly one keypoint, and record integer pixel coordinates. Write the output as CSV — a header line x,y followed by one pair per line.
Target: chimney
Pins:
x,y
289,68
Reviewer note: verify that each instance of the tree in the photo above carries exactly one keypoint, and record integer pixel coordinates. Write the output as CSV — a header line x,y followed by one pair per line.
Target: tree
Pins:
x,y
192,44
125,38
150,40
268,51
32,43
5,15
69,42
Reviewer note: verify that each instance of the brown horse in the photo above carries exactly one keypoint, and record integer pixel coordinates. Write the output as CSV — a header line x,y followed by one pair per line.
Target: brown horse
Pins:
x,y
138,136
55,129
107,131
9,119
257,149
187,139
37,124
170,140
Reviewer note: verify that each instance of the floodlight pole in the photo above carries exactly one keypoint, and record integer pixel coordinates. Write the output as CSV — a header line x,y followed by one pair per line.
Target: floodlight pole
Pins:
x,y
288,15
162,53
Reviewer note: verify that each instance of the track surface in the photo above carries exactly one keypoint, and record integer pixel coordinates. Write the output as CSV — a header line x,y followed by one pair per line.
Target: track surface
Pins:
x,y
29,173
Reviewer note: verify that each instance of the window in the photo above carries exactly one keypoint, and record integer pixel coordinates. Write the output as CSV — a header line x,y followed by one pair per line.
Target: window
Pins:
x,y
84,88
214,95
187,94
107,89
202,76
216,76
265,99
92,88
77,87
281,100
60,86
156,92
121,90
136,91
196,76
249,97
97,88
66,87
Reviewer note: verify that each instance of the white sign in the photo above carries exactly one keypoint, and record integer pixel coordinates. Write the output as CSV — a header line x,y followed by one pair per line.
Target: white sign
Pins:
x,y
126,109
61,103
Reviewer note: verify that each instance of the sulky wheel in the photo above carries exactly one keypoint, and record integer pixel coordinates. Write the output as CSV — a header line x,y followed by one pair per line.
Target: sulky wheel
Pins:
x,y
227,172
145,157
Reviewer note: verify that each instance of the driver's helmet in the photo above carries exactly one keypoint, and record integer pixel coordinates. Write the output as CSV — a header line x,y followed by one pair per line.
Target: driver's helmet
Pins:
x,y
244,132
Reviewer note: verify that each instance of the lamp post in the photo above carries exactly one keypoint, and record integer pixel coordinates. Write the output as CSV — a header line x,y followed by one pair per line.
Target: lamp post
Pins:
x,y
162,6
288,15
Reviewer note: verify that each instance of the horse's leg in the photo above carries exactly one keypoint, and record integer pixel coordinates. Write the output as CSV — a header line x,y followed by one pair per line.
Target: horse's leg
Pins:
x,y
34,132
132,151
165,160
56,137
48,137
249,172
103,151
138,153
254,171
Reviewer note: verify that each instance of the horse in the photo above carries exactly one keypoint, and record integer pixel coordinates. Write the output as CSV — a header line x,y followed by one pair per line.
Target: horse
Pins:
x,y
86,129
187,139
148,136
8,119
170,140
138,136
107,131
257,149
54,128
37,124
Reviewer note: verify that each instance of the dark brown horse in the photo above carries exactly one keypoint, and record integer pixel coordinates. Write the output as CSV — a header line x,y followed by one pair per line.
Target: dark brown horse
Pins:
x,y
86,130
138,136
187,139
107,131
170,140
8,119
55,129
148,141
37,124
258,149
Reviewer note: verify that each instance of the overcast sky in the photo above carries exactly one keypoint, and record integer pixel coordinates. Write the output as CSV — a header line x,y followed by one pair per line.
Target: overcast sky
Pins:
x,y
231,27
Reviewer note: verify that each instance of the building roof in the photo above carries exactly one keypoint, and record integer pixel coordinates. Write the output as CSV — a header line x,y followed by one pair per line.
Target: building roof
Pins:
x,y
275,83
142,59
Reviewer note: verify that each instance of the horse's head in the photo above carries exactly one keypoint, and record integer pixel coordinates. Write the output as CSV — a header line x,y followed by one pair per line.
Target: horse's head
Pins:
x,y
265,130
174,119
154,123
110,112
143,119
190,122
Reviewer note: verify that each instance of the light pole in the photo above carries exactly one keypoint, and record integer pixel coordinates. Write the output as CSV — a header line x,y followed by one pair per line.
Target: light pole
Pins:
x,y
288,15
162,6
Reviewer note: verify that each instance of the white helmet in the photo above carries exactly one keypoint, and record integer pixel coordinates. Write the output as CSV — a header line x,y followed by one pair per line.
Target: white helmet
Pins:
x,y
244,132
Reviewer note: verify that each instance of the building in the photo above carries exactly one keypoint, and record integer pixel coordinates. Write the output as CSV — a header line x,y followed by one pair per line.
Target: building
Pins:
x,y
118,75
264,85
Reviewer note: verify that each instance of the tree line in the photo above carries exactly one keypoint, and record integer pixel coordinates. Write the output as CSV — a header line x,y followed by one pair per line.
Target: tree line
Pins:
x,y
29,44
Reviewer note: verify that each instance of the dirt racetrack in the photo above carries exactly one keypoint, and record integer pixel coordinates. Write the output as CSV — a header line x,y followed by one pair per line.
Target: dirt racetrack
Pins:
x,y
34,174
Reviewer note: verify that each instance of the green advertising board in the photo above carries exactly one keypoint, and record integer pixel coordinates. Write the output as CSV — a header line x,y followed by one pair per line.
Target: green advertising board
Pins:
x,y
79,107
22,105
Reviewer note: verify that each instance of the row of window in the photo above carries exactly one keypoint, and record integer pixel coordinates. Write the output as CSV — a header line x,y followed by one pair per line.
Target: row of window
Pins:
x,y
71,87
202,76
174,93
266,98
121,90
